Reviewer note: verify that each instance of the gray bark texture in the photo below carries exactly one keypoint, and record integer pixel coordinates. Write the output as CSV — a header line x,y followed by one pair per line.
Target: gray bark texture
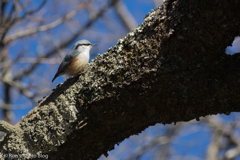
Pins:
x,y
171,68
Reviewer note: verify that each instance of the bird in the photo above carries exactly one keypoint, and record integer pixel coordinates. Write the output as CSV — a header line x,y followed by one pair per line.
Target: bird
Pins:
x,y
75,60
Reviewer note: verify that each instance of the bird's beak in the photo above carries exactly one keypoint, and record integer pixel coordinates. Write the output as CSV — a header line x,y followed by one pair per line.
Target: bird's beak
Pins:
x,y
94,44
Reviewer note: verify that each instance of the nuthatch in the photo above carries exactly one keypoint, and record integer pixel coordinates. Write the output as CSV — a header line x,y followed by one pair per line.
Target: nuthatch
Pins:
x,y
76,59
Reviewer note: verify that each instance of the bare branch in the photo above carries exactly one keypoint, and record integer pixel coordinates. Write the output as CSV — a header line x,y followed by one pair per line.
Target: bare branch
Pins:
x,y
16,8
46,27
126,17
40,28
225,131
18,87
42,60
214,147
6,127
32,11
5,28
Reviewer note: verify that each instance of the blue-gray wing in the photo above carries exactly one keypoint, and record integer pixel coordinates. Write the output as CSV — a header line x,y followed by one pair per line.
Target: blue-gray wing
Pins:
x,y
65,62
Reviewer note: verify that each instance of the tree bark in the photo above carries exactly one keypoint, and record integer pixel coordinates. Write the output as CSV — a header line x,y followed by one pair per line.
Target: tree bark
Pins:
x,y
171,68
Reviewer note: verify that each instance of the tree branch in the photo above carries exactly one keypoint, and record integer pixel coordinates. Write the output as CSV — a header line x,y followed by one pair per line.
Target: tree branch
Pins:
x,y
32,11
125,16
46,27
171,68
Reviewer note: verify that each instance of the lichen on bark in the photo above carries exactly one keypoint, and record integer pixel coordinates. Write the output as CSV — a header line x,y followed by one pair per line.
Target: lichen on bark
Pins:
x,y
171,68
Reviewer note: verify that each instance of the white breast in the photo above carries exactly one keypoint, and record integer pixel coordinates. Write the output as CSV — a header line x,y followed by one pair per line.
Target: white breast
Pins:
x,y
78,64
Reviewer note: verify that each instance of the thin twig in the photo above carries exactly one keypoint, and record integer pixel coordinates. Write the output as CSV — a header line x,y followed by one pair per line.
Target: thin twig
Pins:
x,y
18,87
126,17
34,10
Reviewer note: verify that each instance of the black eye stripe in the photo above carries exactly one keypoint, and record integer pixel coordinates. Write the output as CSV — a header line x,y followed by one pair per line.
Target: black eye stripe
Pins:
x,y
82,45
